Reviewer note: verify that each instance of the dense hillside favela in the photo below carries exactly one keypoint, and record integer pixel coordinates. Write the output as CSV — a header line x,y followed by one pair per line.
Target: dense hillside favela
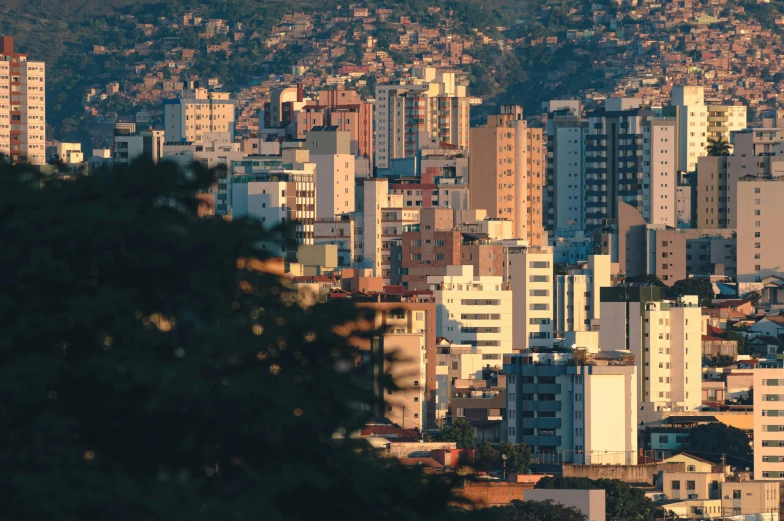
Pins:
x,y
560,220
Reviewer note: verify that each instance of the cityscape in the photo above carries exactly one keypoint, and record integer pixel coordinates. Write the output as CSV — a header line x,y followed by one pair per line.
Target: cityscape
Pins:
x,y
472,261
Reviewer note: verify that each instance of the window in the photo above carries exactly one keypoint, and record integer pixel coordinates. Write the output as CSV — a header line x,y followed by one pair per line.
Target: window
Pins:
x,y
676,485
736,493
664,439
691,485
691,468
454,366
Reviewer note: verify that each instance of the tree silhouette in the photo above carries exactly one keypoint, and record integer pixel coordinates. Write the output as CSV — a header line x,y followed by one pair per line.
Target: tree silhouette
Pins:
x,y
718,147
151,368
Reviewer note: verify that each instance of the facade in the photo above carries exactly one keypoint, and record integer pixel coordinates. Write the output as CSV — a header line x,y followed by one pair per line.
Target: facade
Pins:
x,y
197,112
277,193
22,106
130,145
330,151
592,503
472,310
577,305
586,414
564,201
531,282
404,405
506,164
340,232
746,498
692,125
759,215
346,111
768,387
629,157
429,109
664,336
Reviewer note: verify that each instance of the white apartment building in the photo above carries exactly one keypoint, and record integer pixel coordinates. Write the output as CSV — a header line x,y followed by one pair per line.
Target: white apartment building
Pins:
x,y
279,193
768,387
330,150
693,125
22,106
565,154
473,310
584,414
660,166
130,145
577,295
531,282
666,339
197,112
70,153
428,109
458,362
759,213
379,225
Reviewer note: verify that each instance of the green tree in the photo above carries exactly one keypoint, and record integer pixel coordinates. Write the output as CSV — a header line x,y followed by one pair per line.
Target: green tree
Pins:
x,y
518,456
486,456
459,432
650,279
559,269
714,439
622,500
754,297
700,287
717,361
748,399
718,147
152,368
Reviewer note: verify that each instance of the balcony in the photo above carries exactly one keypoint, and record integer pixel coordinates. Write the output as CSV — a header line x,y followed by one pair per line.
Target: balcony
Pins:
x,y
547,441
541,405
543,388
541,423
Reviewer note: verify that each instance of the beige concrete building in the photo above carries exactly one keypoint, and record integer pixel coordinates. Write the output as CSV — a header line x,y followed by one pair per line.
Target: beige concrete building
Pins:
x,y
664,336
197,112
700,485
405,405
473,310
760,214
577,303
346,111
330,151
592,503
742,498
507,170
768,451
339,231
427,109
22,106
531,281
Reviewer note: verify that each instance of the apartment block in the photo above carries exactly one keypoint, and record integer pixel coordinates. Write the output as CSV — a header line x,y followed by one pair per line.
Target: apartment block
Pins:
x,y
531,281
280,191
665,338
405,405
330,151
750,498
473,310
630,158
564,200
428,109
130,145
584,414
577,303
346,111
507,166
22,106
759,216
339,231
197,112
692,125
768,387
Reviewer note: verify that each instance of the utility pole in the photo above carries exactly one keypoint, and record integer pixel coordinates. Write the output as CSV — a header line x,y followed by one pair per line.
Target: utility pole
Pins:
x,y
723,462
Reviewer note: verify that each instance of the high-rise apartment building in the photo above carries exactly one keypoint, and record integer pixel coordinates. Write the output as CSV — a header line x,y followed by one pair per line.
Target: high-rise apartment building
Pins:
x,y
22,106
630,157
346,111
130,144
768,385
577,305
507,163
279,191
426,110
759,212
564,200
531,281
473,310
197,112
330,151
665,338
573,413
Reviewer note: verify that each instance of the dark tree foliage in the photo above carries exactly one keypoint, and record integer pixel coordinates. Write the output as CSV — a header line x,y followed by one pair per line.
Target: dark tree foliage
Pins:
x,y
459,432
717,361
623,501
712,440
151,367
700,287
525,511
